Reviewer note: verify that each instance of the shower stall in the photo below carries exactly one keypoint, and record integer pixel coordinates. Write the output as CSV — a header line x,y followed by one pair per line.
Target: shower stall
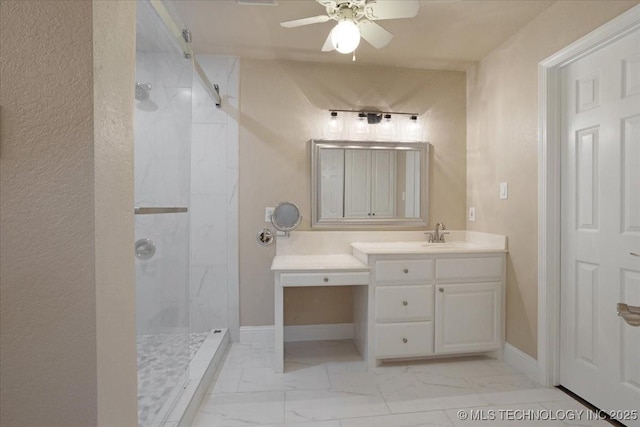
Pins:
x,y
166,342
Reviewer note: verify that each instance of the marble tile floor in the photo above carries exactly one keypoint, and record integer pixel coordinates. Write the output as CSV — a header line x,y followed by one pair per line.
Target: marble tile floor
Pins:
x,y
325,384
162,359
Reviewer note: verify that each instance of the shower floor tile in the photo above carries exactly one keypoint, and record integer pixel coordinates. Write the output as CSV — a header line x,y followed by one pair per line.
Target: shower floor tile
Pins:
x,y
162,360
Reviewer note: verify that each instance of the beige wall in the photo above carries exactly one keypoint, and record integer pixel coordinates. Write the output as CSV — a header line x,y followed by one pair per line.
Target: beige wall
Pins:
x,y
502,139
283,104
114,56
56,195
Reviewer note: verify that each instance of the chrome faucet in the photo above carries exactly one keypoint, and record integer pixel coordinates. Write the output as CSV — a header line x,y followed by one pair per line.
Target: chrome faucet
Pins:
x,y
438,234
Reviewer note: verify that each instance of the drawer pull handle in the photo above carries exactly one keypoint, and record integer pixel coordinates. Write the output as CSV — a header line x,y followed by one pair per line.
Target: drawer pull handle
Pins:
x,y
404,340
441,289
406,270
326,279
405,303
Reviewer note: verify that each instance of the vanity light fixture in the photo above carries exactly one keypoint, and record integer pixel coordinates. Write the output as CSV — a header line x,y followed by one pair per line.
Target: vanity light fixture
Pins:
x,y
375,117
411,129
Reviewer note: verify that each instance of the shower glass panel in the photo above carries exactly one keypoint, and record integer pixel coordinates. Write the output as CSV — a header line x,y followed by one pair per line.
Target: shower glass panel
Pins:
x,y
162,179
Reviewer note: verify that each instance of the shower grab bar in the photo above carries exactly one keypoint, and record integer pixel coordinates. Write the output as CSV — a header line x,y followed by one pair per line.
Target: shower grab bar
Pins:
x,y
161,210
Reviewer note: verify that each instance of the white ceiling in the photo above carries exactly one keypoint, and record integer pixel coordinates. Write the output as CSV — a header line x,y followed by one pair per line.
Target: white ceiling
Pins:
x,y
446,34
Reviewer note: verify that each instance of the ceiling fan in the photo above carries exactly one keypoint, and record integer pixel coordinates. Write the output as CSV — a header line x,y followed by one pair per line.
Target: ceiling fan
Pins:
x,y
356,19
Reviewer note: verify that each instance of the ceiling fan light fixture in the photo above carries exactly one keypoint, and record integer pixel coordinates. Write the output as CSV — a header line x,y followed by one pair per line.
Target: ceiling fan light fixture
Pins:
x,y
345,37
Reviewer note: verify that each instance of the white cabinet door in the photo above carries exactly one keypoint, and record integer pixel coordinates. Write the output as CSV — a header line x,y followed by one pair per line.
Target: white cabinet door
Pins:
x,y
412,185
383,187
467,317
357,183
369,184
332,184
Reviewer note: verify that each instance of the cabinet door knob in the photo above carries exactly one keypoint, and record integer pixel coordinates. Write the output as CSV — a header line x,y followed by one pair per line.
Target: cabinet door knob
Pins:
x,y
405,303
404,340
406,270
441,289
326,279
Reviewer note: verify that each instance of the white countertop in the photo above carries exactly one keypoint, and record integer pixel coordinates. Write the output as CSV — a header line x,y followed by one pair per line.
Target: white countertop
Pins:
x,y
374,248
342,262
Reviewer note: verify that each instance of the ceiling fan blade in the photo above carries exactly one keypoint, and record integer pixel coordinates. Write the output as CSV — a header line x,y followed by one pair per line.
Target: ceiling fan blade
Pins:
x,y
377,36
391,9
305,21
328,46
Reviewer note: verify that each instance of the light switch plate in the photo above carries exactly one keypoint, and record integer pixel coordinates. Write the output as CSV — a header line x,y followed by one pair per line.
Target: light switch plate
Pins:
x,y
504,190
472,214
268,212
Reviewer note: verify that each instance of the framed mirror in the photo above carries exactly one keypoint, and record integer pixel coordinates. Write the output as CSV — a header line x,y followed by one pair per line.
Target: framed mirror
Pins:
x,y
362,184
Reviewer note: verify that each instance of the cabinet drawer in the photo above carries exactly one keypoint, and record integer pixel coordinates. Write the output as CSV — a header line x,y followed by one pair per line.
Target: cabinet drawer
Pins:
x,y
404,303
404,339
324,279
404,271
469,268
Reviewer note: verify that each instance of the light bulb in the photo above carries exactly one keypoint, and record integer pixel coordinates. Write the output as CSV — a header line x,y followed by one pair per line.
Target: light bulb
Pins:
x,y
345,36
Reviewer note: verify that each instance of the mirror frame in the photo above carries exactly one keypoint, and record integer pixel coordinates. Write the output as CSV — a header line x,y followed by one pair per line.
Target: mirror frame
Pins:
x,y
364,223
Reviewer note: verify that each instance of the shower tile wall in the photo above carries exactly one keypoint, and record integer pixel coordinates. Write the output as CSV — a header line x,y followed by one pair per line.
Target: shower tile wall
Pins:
x,y
214,202
163,135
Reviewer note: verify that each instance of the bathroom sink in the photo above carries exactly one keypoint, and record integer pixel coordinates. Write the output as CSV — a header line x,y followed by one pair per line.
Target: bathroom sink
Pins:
x,y
450,245
416,247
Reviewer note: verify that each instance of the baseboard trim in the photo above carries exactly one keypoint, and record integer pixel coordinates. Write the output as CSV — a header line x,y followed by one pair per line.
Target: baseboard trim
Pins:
x,y
335,331
522,362
264,335
257,335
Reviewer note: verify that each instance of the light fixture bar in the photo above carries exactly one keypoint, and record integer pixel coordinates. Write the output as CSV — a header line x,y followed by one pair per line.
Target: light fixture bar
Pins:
x,y
373,112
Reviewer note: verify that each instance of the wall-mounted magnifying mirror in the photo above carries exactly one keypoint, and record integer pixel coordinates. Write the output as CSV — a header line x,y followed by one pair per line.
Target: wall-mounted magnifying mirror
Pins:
x,y
286,217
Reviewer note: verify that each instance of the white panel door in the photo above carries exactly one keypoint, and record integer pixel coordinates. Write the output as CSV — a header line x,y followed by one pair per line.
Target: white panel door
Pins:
x,y
600,353
357,183
383,188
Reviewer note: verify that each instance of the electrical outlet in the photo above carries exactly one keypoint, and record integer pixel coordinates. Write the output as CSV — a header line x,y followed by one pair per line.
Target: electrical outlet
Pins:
x,y
472,214
268,212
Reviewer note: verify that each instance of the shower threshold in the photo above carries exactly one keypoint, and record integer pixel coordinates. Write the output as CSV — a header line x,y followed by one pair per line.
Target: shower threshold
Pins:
x,y
207,350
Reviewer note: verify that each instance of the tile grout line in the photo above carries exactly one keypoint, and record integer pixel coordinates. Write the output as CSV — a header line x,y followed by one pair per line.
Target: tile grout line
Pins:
x,y
384,399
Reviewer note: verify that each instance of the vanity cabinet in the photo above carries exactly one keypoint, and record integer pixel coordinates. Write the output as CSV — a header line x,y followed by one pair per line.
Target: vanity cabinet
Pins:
x,y
411,299
437,304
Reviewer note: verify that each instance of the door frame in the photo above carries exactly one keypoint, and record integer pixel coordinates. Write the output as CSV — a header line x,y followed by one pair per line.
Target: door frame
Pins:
x,y
549,168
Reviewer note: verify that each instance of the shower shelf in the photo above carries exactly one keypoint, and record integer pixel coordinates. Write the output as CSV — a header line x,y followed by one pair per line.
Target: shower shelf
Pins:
x,y
159,210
